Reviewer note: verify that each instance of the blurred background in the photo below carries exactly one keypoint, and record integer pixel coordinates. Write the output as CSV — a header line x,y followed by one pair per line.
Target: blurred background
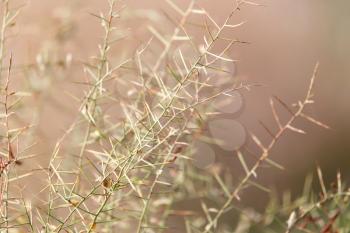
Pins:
x,y
286,39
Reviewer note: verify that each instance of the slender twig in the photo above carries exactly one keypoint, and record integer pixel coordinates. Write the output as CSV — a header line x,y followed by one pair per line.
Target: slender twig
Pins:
x,y
265,151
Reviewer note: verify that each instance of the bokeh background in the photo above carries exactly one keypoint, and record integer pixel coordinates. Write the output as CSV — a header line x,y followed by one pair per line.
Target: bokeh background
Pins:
x,y
286,39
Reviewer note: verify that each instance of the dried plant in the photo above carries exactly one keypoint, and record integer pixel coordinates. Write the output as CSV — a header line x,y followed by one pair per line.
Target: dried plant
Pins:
x,y
126,163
